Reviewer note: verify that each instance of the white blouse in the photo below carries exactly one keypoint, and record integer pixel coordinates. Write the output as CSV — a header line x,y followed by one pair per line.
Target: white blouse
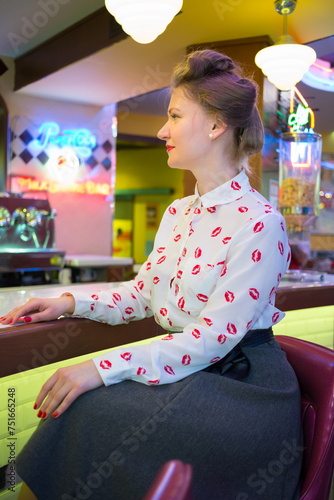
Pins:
x,y
212,275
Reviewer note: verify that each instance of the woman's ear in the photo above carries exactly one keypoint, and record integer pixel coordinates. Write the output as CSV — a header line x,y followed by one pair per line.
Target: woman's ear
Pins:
x,y
218,128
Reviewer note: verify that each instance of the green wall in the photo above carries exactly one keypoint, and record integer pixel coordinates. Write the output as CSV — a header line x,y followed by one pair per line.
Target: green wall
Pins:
x,y
145,168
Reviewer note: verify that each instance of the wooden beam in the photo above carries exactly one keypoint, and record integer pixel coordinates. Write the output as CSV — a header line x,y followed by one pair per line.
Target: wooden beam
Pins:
x,y
93,33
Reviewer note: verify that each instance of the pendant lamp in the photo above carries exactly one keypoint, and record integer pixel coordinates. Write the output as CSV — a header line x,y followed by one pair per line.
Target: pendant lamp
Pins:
x,y
286,62
143,20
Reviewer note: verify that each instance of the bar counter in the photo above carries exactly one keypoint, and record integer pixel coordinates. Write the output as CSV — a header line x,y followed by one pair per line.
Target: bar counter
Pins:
x,y
30,354
27,346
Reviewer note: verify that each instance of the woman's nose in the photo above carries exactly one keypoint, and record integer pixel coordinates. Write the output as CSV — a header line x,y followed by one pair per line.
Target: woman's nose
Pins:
x,y
163,133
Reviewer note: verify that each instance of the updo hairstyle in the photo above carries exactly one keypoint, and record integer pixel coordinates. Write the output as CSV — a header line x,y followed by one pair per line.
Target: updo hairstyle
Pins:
x,y
213,80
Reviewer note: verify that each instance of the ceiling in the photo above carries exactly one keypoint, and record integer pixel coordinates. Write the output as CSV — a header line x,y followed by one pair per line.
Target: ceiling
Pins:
x,y
128,69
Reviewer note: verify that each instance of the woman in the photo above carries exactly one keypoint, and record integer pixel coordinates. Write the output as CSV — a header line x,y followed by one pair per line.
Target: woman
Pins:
x,y
216,391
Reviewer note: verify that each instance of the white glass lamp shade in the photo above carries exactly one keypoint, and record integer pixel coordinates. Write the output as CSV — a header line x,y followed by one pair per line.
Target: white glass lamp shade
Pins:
x,y
143,20
285,64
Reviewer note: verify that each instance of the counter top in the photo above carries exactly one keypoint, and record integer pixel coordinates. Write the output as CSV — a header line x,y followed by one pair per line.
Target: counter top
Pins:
x,y
27,346
83,260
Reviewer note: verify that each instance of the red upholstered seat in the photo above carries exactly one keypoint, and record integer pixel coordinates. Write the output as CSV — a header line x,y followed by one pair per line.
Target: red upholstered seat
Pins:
x,y
173,482
314,367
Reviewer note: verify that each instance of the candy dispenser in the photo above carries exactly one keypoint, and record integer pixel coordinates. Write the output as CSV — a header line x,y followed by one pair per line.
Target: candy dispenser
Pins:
x,y
299,180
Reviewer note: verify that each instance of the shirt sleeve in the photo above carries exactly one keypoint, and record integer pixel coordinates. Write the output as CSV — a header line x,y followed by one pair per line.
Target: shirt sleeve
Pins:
x,y
245,288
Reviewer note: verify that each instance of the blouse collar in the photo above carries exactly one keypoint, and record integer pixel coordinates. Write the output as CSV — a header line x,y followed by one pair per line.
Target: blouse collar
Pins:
x,y
225,193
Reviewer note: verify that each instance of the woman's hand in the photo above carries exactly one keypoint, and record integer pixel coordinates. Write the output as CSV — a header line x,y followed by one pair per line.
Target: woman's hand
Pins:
x,y
40,310
64,386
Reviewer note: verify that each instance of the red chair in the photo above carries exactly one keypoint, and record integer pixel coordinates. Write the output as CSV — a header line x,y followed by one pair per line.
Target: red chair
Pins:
x,y
173,482
314,367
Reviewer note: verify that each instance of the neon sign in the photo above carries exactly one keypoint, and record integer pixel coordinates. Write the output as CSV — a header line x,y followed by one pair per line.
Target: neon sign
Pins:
x,y
300,118
82,141
89,187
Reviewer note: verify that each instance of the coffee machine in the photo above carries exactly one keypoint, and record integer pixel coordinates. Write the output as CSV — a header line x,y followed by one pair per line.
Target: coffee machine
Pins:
x,y
27,240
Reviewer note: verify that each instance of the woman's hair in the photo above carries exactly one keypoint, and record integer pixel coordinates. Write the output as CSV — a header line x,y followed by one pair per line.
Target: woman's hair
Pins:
x,y
213,80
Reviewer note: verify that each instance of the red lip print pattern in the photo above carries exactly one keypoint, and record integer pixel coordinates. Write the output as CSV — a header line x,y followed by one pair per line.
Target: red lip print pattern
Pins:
x,y
179,274
141,371
249,325
168,337
275,317
197,211
161,249
212,210
202,297
186,360
216,231
208,321
196,269
161,260
177,237
172,210
181,303
117,297
223,271
169,370
154,382
92,307
105,364
243,209
126,356
176,289
156,280
256,255
254,293
140,285
163,311
95,297
235,185
226,240
184,252
198,252
280,247
196,333
129,310
258,227
214,360
231,328
148,266
221,338
229,296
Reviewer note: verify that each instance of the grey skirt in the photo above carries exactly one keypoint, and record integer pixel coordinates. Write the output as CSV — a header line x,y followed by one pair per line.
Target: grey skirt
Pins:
x,y
242,438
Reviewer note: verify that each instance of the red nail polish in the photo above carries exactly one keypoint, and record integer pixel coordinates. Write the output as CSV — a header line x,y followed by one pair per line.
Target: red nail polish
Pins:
x,y
39,414
27,319
11,321
55,414
44,415
35,406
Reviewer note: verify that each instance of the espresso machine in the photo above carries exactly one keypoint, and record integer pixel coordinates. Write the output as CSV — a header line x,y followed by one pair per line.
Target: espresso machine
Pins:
x,y
27,241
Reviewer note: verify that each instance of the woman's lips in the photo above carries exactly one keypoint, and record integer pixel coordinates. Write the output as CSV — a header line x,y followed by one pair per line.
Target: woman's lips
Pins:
x,y
169,148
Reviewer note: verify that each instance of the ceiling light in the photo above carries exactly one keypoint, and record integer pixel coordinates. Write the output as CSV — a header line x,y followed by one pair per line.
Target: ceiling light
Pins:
x,y
286,62
143,20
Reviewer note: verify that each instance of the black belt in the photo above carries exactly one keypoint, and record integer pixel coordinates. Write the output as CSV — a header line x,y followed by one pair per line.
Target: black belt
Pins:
x,y
235,364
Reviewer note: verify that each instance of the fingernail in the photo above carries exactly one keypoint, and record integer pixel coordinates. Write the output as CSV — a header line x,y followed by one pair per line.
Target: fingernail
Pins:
x,y
11,321
44,415
39,414
55,414
4,318
27,319
35,406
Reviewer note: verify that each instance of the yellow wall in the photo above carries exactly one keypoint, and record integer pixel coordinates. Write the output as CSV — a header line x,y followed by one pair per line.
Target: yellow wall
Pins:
x,y
146,168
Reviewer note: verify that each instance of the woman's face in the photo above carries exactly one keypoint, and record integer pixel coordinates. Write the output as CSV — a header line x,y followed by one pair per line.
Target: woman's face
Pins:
x,y
186,133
